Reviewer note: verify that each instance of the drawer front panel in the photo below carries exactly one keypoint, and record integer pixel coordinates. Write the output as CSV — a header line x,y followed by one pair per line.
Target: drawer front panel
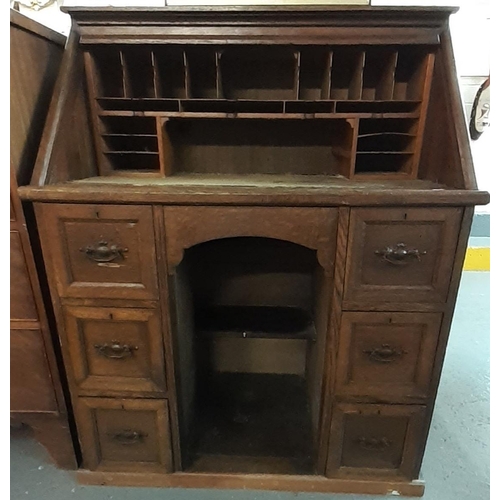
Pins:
x,y
115,349
401,255
22,302
125,435
377,440
313,228
101,251
387,355
31,387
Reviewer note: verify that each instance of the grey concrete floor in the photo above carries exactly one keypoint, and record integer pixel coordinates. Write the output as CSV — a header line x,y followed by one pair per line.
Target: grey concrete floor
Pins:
x,y
456,462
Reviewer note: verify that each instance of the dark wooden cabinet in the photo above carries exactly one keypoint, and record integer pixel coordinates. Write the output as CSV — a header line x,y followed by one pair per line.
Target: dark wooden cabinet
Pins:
x,y
253,222
36,394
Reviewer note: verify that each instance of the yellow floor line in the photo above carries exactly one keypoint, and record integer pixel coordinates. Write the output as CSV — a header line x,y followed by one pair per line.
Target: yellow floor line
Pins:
x,y
477,259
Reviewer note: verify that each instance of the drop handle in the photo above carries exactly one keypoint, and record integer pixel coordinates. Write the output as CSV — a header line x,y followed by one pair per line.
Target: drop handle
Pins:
x,y
128,436
373,444
384,354
400,254
103,252
115,350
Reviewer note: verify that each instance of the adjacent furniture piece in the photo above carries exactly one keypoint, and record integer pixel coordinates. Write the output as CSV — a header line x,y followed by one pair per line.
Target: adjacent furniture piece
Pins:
x,y
253,222
36,396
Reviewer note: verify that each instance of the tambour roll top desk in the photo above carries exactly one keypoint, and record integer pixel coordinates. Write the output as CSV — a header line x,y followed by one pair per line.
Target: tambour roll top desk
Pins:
x,y
254,222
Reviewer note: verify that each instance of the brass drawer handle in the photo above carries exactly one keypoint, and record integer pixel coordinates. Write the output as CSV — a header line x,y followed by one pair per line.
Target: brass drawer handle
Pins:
x,y
373,444
400,254
128,436
101,252
115,350
384,354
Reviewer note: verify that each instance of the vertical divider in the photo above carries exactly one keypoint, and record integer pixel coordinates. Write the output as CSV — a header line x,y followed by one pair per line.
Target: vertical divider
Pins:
x,y
156,75
416,85
187,76
165,149
386,88
218,69
354,122
327,77
396,62
356,88
296,83
125,77
426,84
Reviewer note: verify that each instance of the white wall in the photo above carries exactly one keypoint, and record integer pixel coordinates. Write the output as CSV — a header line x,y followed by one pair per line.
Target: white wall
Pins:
x,y
472,39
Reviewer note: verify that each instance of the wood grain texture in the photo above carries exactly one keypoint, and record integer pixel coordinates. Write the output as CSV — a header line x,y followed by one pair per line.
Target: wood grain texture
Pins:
x,y
375,440
120,434
401,255
173,191
59,157
223,211
115,349
166,304
102,251
31,388
444,333
36,377
309,227
386,356
276,482
33,70
333,332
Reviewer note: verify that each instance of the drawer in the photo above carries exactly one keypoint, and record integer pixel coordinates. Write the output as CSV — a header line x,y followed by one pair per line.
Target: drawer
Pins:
x,y
22,301
115,349
31,386
100,251
124,435
378,440
386,355
400,255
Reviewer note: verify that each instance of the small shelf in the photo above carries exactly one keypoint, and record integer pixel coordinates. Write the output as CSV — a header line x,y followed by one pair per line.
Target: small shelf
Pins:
x,y
130,153
130,125
255,322
133,160
385,106
250,146
131,142
381,162
138,104
397,142
385,146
